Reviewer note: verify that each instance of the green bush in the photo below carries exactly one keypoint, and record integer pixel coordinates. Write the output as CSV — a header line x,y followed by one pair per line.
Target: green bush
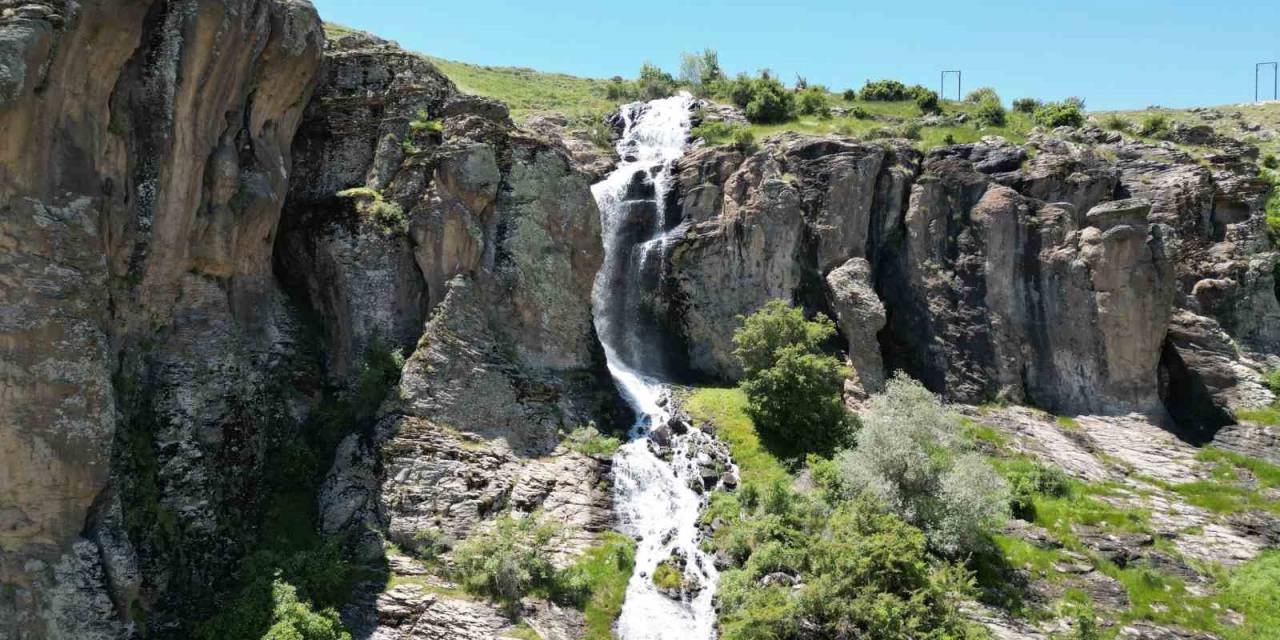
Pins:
x,y
1270,161
667,577
509,561
1026,105
859,113
1029,480
1154,126
292,619
862,573
793,390
990,113
884,91
744,140
906,458
1059,114
1114,122
927,102
740,90
589,441
770,102
813,102
849,95
981,95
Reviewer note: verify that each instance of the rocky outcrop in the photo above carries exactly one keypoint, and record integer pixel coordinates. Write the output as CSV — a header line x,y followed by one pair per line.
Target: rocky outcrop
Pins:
x,y
1051,278
145,154
431,222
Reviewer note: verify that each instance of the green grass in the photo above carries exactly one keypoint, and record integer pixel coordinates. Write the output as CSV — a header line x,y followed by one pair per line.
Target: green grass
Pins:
x,y
726,408
529,92
607,567
1219,497
1252,590
1268,416
1266,115
1268,474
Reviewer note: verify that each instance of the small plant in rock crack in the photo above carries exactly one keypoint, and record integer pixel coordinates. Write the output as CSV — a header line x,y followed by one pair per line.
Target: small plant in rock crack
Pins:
x,y
423,123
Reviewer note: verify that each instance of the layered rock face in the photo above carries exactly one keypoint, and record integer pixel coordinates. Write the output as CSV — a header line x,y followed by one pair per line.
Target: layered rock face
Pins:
x,y
1093,275
184,286
494,241
144,157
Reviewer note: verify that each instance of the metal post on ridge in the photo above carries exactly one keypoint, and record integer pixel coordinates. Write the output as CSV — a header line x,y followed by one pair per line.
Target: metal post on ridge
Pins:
x,y
1275,79
942,93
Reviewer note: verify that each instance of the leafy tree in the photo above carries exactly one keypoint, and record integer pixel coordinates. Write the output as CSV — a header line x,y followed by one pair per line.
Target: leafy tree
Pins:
x,y
655,83
849,95
906,460
758,343
793,390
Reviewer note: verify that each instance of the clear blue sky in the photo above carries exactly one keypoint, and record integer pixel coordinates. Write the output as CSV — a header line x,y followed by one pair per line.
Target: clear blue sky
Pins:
x,y
1116,54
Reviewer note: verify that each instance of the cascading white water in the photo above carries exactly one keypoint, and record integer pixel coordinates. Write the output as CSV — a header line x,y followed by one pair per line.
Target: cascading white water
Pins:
x,y
653,497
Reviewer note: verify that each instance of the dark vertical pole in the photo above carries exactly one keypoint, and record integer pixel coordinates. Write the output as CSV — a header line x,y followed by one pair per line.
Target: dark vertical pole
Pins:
x,y
1275,80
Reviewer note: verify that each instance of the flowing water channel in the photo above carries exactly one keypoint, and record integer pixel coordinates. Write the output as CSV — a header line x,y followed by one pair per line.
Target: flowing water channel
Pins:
x,y
654,471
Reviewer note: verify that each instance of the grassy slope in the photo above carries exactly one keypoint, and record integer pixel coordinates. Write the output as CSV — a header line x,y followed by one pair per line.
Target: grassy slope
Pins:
x,y
528,92
1249,589
1265,115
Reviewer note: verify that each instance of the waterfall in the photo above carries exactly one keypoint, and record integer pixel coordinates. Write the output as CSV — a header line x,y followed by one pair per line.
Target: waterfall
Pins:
x,y
653,497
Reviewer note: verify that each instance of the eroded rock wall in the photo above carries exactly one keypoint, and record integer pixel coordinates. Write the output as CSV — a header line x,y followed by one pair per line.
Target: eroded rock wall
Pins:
x,y
1047,274
144,158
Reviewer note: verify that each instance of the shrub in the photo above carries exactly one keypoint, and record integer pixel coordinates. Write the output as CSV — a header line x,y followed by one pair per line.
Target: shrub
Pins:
x,y
1059,114
425,124
1027,481
1114,122
589,441
861,573
428,544
507,562
667,577
859,113
383,215
884,91
1269,161
770,102
744,140
793,390
1154,126
292,619
655,83
620,90
1026,105
849,95
910,131
981,95
905,459
927,101
740,90
813,102
990,113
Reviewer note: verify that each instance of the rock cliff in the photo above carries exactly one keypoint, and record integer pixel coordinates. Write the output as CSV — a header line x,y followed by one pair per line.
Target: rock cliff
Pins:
x,y
215,222
1083,273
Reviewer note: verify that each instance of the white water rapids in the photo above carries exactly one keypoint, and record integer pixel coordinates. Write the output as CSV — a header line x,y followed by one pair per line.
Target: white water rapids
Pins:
x,y
654,501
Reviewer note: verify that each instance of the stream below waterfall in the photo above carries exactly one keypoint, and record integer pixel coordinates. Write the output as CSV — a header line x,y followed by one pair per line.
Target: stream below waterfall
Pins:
x,y
655,473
